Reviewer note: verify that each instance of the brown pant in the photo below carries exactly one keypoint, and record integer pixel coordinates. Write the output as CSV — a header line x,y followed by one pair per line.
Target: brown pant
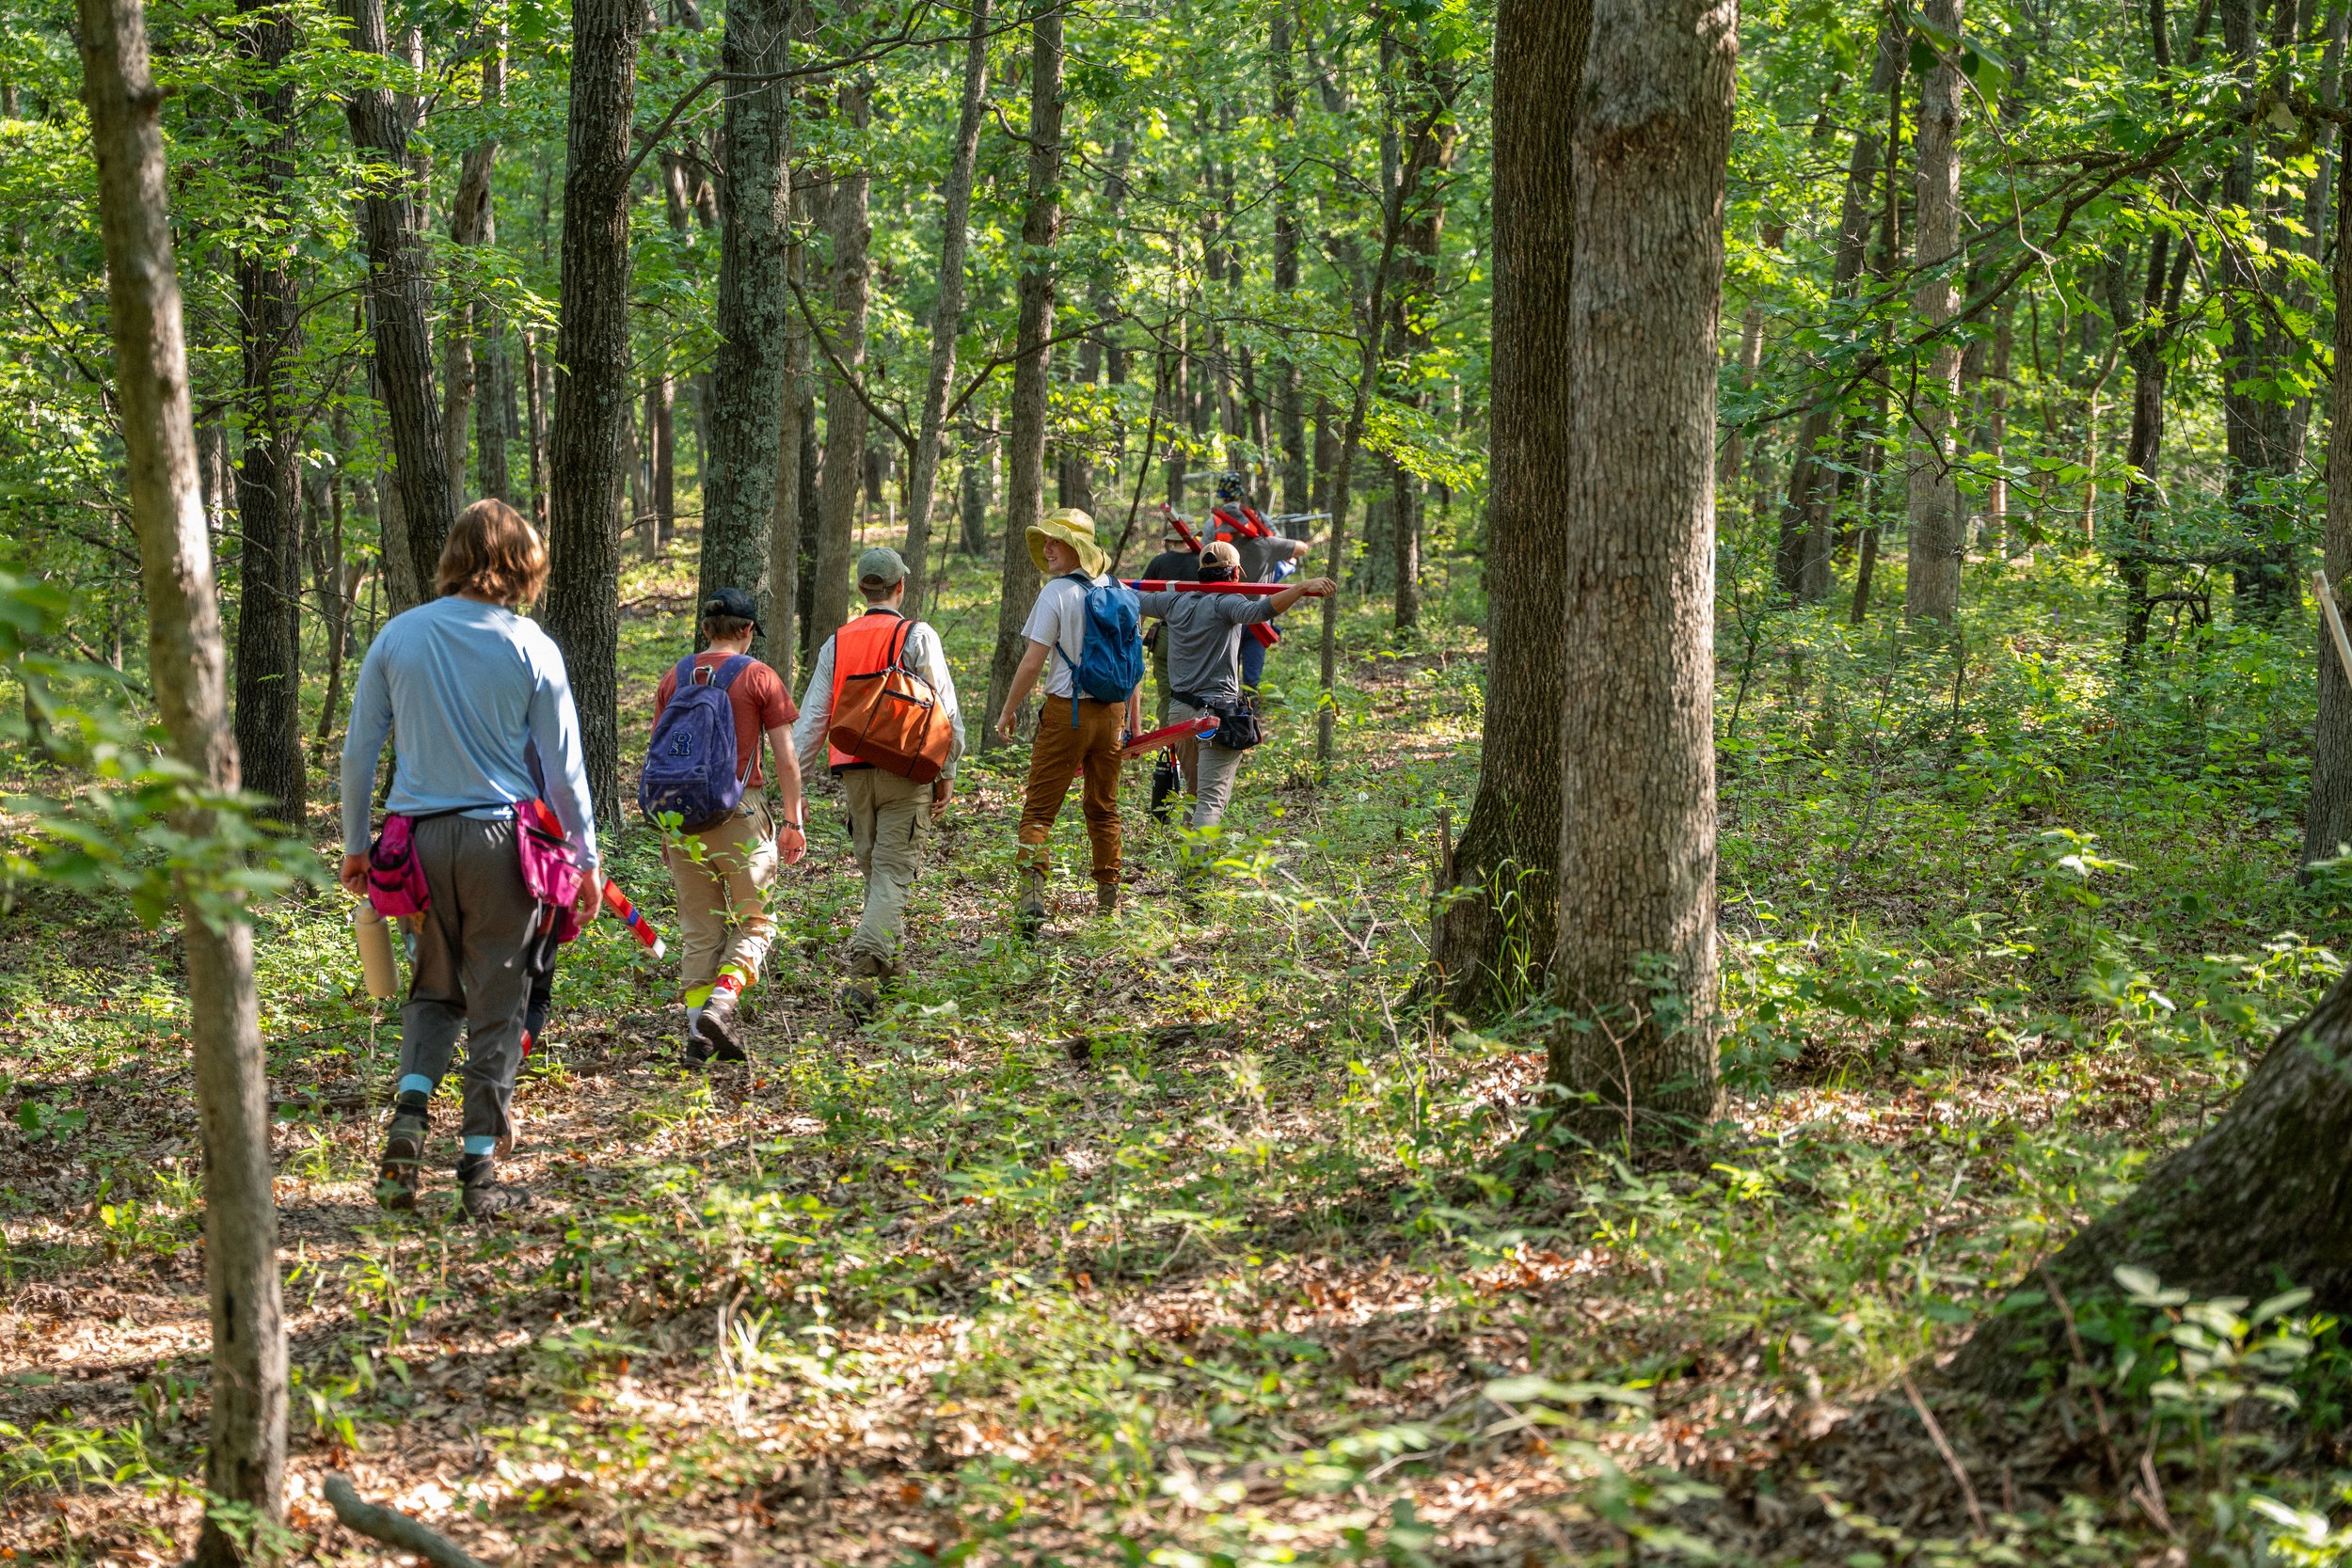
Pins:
x,y
1061,754
722,876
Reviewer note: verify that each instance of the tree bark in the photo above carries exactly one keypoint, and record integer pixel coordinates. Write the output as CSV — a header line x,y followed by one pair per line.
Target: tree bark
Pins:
x,y
2255,427
535,414
2257,1200
843,478
2327,823
784,528
594,388
947,315
269,570
1633,962
1289,380
471,227
398,291
1040,225
978,475
1415,303
246,1453
1932,586
1496,910
756,306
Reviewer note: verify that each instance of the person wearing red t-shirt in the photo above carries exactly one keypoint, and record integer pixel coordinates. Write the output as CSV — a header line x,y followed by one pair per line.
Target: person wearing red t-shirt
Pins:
x,y
722,872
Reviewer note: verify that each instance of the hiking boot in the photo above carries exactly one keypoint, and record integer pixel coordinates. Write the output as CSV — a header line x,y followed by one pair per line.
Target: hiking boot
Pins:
x,y
404,1150
861,999
481,1194
716,1037
1105,900
1028,911
1165,780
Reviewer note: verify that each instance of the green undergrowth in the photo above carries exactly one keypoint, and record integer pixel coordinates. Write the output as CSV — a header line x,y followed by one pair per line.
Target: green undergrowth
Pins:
x,y
1185,1238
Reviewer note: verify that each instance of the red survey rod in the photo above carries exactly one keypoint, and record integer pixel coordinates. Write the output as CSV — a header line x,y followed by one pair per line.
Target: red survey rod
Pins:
x,y
1170,513
1154,585
617,901
1167,734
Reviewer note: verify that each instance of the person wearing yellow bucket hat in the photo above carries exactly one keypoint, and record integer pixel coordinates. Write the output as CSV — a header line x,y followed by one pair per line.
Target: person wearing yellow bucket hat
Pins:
x,y
1077,735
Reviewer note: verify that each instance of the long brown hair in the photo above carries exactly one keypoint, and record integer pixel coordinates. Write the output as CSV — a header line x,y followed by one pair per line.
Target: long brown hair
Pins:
x,y
493,553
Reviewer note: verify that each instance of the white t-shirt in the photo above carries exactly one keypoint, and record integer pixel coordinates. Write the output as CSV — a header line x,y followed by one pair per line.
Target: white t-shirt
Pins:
x,y
1058,619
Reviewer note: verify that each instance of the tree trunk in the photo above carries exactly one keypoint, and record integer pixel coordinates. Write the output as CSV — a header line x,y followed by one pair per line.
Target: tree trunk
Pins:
x,y
1496,910
1417,304
756,307
472,227
1040,226
1289,381
1995,438
2258,1200
2327,824
783,533
947,315
398,291
2254,425
844,475
1931,587
269,642
593,389
980,460
245,1451
1633,964
662,438
535,416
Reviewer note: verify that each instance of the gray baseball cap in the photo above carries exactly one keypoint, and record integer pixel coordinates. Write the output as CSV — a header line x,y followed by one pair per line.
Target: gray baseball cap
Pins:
x,y
880,567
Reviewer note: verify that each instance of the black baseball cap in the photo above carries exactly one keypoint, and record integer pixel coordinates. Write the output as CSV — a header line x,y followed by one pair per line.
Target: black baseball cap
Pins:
x,y
734,603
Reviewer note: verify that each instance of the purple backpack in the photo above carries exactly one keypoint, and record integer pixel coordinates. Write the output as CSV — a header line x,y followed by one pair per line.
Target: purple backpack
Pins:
x,y
689,765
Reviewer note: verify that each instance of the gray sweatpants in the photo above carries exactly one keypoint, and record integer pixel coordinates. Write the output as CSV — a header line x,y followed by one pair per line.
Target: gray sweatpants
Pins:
x,y
469,974
1218,767
887,815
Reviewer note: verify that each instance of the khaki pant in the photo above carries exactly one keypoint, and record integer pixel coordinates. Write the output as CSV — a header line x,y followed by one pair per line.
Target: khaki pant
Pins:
x,y
1061,754
722,875
887,815
469,975
1210,770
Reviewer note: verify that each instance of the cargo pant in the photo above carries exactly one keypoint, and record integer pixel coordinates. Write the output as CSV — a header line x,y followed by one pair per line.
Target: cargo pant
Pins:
x,y
722,875
1214,769
469,974
887,816
1060,754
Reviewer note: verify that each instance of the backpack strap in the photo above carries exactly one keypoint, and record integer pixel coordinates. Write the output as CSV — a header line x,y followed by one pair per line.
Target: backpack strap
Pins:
x,y
723,675
685,672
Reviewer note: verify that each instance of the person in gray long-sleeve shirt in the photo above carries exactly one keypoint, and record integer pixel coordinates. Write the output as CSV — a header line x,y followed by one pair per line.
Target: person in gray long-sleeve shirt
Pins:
x,y
1204,632
459,685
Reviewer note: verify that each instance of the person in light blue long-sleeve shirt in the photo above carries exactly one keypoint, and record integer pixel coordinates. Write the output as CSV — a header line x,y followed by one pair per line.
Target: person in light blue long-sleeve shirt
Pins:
x,y
462,686
459,685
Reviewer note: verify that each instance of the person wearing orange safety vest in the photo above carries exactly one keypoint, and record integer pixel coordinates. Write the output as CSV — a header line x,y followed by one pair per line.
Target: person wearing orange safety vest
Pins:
x,y
887,813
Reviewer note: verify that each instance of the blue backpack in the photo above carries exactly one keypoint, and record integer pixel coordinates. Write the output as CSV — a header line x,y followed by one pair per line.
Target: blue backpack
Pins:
x,y
689,765
1110,661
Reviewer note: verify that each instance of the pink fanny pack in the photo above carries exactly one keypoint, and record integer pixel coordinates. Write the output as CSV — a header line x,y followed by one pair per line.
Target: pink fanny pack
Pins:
x,y
395,879
552,869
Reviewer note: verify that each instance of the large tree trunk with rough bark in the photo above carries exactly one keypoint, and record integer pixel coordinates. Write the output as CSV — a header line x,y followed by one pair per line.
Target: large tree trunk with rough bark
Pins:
x,y
947,315
269,564
245,1458
843,475
756,306
1932,586
2327,824
1633,962
1492,935
398,289
2261,1201
1026,441
587,446
784,523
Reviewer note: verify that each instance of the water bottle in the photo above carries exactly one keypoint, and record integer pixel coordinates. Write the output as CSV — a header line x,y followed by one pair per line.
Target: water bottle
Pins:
x,y
376,951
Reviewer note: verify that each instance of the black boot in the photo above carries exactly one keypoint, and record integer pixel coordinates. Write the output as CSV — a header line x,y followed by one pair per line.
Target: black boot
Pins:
x,y
1164,782
716,1037
404,1152
483,1195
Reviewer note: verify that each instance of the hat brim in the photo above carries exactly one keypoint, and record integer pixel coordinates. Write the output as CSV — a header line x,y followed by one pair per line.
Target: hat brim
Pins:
x,y
1092,560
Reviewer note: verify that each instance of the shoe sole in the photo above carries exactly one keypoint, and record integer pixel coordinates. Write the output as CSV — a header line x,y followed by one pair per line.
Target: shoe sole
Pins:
x,y
396,1175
